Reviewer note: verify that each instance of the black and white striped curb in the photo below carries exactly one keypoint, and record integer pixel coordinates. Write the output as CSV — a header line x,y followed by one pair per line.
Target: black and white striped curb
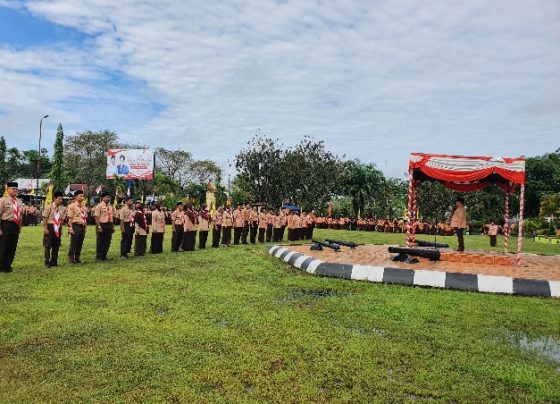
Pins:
x,y
418,277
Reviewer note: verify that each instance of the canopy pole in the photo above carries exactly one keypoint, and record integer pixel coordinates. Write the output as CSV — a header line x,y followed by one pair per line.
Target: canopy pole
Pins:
x,y
409,210
414,210
506,225
520,235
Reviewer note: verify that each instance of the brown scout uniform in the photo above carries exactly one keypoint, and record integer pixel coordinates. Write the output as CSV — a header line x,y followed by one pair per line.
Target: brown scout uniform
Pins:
x,y
77,222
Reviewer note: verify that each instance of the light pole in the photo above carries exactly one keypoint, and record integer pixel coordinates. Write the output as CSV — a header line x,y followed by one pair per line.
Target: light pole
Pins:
x,y
39,154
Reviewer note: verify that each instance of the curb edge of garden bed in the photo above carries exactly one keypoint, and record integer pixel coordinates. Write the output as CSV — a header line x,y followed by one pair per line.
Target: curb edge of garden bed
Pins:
x,y
418,277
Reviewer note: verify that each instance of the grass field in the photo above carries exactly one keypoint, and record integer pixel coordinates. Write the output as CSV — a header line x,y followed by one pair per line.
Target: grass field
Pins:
x,y
236,325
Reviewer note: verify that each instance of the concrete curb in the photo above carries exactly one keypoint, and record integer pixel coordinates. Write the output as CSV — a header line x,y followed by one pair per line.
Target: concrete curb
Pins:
x,y
418,277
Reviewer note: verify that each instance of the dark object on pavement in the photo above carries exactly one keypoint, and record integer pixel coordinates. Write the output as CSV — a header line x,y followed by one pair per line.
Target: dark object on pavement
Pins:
x,y
422,243
344,243
433,255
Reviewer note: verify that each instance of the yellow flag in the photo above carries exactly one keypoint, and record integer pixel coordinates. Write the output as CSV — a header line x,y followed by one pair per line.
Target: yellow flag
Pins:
x,y
116,198
49,197
32,192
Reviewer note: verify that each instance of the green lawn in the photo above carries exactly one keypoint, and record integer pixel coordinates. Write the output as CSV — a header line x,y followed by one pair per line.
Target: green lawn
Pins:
x,y
236,325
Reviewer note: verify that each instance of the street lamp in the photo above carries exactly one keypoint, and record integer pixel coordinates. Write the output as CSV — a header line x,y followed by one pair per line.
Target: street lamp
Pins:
x,y
39,154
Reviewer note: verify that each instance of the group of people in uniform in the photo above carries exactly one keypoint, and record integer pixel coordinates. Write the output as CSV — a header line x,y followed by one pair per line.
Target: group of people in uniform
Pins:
x,y
248,223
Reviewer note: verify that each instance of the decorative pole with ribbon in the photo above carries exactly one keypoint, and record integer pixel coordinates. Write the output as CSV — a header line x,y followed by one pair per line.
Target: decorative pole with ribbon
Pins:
x,y
520,232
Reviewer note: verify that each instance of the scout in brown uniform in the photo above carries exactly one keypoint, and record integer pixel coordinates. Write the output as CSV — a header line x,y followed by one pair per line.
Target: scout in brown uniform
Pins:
x,y
53,219
493,234
270,219
77,226
277,230
304,223
238,223
262,225
311,220
227,222
141,230
104,214
158,229
291,226
177,226
283,222
217,227
204,220
126,216
189,228
459,222
10,214
253,225
246,213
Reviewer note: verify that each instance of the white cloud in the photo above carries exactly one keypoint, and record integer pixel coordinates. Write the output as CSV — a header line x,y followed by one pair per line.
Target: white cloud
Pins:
x,y
375,80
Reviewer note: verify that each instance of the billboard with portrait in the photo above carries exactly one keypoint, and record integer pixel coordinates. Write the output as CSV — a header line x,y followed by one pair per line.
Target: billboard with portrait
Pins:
x,y
130,164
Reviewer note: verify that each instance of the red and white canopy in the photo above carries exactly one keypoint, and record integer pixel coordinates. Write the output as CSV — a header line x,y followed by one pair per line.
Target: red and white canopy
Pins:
x,y
467,173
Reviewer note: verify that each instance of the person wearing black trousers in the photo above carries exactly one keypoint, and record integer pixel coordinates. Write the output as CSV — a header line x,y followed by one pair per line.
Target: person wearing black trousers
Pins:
x,y
204,220
227,222
141,231
104,215
262,225
126,216
189,228
158,230
217,227
53,219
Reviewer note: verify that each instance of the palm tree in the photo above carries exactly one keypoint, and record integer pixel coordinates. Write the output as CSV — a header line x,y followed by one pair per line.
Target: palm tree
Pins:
x,y
550,207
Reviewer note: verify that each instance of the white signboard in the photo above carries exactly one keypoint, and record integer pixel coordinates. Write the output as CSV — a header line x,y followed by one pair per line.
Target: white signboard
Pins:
x,y
130,164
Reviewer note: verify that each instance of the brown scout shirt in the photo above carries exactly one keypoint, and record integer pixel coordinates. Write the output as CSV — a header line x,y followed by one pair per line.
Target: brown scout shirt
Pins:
x,y
7,209
227,219
77,214
158,221
238,218
49,211
125,214
105,212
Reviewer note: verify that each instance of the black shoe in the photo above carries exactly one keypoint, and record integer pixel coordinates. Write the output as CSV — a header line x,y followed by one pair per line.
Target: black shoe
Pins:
x,y
124,256
71,261
99,259
77,261
48,265
54,264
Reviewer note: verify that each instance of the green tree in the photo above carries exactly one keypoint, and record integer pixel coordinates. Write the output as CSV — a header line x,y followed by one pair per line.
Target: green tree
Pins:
x,y
362,182
542,178
261,170
204,171
86,160
57,168
312,175
175,164
3,163
550,208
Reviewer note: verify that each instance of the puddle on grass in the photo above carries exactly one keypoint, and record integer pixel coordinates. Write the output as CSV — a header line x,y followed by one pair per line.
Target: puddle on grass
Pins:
x,y
547,347
314,293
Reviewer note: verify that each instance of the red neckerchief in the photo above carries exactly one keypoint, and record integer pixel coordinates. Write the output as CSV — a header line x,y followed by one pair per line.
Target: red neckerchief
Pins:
x,y
57,221
15,210
109,213
83,213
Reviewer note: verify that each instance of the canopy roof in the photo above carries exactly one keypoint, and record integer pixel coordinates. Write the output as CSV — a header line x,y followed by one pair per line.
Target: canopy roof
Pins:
x,y
468,173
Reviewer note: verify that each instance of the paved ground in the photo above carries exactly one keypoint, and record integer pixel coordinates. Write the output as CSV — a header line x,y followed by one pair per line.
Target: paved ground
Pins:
x,y
534,267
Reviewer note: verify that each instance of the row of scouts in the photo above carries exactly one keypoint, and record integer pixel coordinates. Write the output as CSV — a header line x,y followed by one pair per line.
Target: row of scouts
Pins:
x,y
246,223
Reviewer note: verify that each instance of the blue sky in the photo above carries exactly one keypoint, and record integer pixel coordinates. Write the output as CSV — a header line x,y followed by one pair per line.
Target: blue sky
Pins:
x,y
375,79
